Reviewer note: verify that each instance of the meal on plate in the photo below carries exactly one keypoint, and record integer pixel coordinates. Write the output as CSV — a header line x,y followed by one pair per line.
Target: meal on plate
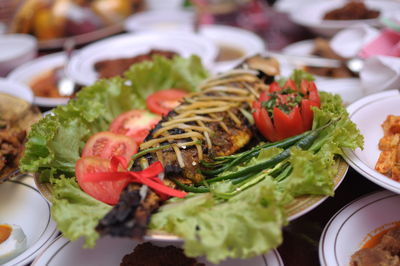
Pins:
x,y
49,20
229,52
352,10
16,116
382,249
167,149
147,254
45,84
12,242
323,49
114,67
388,161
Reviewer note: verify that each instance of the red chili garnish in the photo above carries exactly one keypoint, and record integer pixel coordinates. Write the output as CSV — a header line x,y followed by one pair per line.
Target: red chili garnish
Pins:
x,y
146,177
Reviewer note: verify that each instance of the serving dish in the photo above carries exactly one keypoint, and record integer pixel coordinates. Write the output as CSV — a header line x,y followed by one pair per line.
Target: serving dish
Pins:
x,y
369,113
310,15
81,66
27,72
110,251
226,37
299,48
356,223
23,205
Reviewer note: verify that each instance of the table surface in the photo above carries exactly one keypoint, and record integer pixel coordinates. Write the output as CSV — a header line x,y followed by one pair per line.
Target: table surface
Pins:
x,y
301,236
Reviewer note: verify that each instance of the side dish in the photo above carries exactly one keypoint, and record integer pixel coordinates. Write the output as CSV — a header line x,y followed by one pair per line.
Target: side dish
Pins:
x,y
147,254
389,159
384,250
352,10
116,67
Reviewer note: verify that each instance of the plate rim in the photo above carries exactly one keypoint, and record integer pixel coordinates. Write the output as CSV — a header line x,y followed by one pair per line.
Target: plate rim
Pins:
x,y
46,237
350,156
356,204
271,258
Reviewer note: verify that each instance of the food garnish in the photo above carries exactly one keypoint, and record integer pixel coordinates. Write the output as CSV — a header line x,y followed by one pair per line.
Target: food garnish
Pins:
x,y
162,102
388,161
12,242
237,217
285,111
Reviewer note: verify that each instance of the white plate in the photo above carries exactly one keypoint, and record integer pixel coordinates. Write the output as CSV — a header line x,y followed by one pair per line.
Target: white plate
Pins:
x,y
81,66
311,13
110,251
161,20
244,40
305,47
23,205
368,114
30,70
349,89
350,228
16,89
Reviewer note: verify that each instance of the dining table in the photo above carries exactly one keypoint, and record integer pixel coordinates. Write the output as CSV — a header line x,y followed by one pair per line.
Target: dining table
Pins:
x,y
301,236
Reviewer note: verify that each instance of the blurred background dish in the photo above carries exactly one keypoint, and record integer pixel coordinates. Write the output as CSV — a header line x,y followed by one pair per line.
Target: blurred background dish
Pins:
x,y
82,65
16,50
28,209
319,47
356,223
161,20
234,44
40,75
53,21
16,89
368,114
311,15
349,89
110,251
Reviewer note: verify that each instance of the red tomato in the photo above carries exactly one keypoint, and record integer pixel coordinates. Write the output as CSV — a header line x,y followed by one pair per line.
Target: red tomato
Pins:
x,y
105,191
288,125
135,124
107,144
264,124
161,102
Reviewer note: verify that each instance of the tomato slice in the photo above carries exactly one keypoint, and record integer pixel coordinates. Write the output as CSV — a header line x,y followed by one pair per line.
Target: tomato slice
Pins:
x,y
290,84
288,125
162,102
135,124
107,144
264,124
274,87
105,191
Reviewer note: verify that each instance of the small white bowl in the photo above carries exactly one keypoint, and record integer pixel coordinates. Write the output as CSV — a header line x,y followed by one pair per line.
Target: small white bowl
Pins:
x,y
246,41
16,49
351,227
161,20
16,89
30,70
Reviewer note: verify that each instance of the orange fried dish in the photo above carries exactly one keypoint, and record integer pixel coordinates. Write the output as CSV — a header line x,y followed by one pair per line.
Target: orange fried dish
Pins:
x,y
389,159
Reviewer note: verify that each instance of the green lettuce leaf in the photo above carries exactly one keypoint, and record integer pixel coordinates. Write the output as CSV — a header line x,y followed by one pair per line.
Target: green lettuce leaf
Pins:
x,y
246,225
56,141
75,212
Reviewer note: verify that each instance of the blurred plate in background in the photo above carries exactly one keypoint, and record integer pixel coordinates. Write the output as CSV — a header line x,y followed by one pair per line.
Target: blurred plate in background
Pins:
x,y
37,68
81,67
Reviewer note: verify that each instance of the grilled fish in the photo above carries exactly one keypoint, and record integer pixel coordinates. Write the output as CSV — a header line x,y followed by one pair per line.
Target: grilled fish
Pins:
x,y
209,123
